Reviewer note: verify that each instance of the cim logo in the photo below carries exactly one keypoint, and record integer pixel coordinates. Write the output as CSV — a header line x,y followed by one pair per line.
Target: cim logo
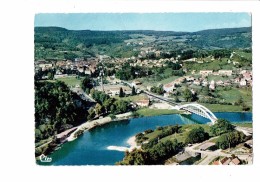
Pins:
x,y
44,158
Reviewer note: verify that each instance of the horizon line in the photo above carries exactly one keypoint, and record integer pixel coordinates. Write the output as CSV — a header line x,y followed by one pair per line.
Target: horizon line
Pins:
x,y
142,29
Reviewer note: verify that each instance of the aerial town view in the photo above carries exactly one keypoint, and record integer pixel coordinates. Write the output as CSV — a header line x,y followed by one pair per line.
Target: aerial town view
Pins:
x,y
143,89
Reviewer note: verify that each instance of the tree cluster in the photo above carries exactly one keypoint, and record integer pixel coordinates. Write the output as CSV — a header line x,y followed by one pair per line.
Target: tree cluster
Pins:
x,y
196,135
221,126
55,109
230,139
157,154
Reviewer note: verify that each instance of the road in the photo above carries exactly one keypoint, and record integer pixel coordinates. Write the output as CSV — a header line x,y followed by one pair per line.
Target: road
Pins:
x,y
82,94
210,155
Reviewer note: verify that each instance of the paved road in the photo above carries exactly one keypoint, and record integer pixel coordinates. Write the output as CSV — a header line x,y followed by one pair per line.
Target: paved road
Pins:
x,y
210,155
82,94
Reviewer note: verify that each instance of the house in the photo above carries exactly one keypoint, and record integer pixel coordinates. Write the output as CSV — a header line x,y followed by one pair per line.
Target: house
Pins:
x,y
247,76
196,82
228,161
135,83
212,85
237,80
45,66
204,83
242,82
169,87
220,83
225,72
225,161
227,83
206,72
113,91
143,103
190,60
235,161
189,78
180,80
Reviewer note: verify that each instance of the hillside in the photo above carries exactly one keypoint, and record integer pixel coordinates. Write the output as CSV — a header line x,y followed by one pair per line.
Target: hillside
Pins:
x,y
60,43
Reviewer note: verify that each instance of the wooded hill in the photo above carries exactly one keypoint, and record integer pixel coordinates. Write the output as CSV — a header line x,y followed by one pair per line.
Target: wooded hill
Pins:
x,y
60,43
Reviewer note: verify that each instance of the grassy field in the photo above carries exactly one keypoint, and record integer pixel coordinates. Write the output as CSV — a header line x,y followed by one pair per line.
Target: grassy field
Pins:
x,y
70,81
132,98
147,82
248,125
245,55
217,77
155,112
222,108
234,94
179,136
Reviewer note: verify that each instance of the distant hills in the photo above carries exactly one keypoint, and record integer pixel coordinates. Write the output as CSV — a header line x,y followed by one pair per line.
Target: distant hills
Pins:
x,y
62,43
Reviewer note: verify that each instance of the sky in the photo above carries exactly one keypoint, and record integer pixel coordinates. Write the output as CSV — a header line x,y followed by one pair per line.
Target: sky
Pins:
x,y
189,22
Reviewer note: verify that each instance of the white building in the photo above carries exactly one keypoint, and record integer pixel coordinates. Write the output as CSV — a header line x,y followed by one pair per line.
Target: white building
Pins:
x,y
225,72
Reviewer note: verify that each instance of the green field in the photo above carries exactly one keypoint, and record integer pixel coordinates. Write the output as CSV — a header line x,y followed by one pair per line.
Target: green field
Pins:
x,y
132,97
151,82
179,136
70,81
222,108
217,78
234,94
248,125
245,55
155,112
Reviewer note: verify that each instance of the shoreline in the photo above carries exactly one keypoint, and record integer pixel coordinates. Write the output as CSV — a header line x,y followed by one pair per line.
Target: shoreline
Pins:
x,y
98,122
130,141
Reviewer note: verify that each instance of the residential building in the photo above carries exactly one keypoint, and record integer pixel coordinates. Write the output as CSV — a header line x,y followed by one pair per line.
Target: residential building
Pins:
x,y
143,103
225,72
206,72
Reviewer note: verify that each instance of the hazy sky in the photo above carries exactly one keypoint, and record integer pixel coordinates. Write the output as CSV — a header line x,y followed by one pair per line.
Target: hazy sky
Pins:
x,y
144,21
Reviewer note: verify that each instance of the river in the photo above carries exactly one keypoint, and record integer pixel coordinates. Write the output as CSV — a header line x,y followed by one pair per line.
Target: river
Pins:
x,y
91,147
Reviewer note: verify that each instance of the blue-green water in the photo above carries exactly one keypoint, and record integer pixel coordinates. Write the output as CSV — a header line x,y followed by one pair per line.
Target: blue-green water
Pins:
x,y
91,147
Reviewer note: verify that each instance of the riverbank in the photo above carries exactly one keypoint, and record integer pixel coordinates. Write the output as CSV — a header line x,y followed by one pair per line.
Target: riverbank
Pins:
x,y
98,122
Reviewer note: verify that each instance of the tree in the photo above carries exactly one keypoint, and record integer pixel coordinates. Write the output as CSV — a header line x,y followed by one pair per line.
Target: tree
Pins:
x,y
176,98
133,91
121,92
196,135
230,139
206,91
50,76
187,95
221,126
108,103
121,106
239,101
86,83
91,113
98,109
168,72
245,107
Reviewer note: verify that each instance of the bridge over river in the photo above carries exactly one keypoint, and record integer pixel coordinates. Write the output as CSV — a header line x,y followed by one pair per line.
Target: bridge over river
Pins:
x,y
190,107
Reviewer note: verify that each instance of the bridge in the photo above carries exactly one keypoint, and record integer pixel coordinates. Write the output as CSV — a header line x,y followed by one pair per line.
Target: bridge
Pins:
x,y
199,110
191,107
